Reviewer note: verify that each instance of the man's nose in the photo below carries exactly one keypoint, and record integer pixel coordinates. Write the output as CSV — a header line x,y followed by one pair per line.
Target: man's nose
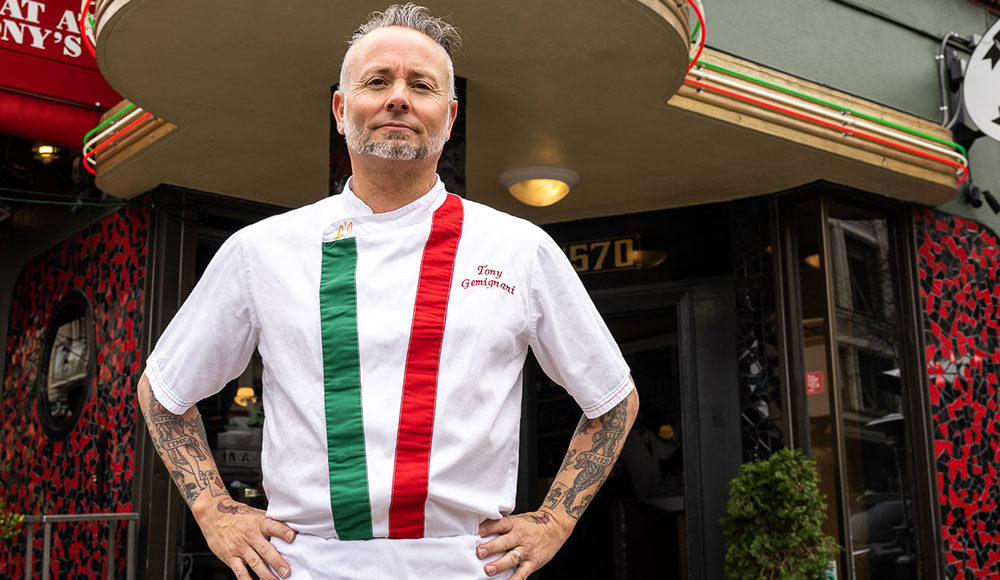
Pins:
x,y
399,98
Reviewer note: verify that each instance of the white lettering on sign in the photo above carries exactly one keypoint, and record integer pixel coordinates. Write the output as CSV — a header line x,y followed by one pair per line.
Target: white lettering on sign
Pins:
x,y
814,383
12,9
21,24
68,21
24,10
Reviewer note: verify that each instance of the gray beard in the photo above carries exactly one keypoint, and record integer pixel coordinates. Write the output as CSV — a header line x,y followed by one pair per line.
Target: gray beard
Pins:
x,y
394,147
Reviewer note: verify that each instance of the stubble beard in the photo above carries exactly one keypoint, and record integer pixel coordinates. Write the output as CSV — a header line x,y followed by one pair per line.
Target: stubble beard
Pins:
x,y
394,146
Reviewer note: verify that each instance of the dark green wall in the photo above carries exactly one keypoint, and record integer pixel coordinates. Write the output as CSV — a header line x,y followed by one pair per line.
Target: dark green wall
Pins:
x,y
891,63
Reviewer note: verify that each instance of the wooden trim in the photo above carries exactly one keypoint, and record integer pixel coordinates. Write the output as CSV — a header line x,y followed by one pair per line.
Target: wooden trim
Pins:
x,y
815,136
142,136
810,135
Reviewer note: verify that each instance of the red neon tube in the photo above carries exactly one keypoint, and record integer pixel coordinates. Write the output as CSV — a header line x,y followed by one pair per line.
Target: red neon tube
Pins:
x,y
704,33
83,29
835,126
109,140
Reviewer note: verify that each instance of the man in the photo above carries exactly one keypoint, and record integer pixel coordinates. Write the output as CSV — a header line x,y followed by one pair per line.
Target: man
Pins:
x,y
393,321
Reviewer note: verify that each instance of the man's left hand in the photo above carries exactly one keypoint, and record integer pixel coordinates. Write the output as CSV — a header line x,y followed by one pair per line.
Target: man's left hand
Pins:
x,y
527,541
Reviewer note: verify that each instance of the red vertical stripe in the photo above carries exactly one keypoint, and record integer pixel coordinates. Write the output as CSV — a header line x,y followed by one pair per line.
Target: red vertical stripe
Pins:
x,y
416,413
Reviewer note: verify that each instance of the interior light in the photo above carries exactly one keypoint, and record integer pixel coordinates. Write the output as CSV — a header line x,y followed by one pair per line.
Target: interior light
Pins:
x,y
539,186
45,153
244,396
812,260
648,259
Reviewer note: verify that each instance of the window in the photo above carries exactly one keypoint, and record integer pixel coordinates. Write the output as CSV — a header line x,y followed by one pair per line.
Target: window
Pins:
x,y
860,411
67,365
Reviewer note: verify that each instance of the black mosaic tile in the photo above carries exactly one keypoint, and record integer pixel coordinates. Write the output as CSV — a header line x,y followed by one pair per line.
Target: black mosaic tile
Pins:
x,y
959,291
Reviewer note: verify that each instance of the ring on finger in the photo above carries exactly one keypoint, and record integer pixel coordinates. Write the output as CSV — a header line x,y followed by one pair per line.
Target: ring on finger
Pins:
x,y
517,555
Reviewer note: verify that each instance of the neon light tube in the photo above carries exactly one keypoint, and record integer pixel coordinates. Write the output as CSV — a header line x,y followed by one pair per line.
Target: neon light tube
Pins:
x,y
101,126
835,106
964,169
718,79
112,128
83,29
111,140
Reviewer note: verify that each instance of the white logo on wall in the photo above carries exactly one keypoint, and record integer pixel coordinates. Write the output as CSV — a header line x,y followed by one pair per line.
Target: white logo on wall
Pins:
x,y
981,89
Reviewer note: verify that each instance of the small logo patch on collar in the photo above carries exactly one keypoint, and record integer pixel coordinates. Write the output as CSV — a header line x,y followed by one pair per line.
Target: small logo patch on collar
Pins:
x,y
339,230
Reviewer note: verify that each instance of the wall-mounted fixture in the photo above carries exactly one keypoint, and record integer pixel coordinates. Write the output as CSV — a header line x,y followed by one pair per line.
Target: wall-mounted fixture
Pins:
x,y
539,186
648,259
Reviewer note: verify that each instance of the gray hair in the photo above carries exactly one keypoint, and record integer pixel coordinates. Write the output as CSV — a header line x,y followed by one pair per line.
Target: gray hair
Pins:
x,y
411,16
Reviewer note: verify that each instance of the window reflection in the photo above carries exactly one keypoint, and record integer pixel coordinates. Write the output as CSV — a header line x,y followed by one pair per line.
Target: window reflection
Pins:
x,y
817,382
868,336
67,365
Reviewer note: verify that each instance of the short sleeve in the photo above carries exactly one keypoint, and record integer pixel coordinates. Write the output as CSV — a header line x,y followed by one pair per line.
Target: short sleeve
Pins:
x,y
570,339
210,340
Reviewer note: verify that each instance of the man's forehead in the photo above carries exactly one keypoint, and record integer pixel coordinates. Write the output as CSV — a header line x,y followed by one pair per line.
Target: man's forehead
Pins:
x,y
390,46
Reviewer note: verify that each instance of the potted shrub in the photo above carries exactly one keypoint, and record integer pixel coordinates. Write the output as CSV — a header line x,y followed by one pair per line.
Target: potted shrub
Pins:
x,y
774,519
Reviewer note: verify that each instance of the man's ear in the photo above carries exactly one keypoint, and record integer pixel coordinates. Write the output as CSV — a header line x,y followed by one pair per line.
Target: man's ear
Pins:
x,y
338,110
452,115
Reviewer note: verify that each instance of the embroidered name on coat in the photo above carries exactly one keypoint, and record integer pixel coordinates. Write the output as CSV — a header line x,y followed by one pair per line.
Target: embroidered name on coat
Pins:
x,y
488,276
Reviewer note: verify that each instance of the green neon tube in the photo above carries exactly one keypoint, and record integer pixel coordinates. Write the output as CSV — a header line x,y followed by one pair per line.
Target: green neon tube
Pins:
x,y
836,106
104,124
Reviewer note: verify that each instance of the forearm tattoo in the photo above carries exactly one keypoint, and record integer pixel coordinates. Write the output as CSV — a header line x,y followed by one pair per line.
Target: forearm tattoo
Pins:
x,y
592,466
232,508
183,446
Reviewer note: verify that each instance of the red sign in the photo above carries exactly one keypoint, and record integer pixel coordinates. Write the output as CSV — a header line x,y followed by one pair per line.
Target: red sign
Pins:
x,y
814,383
42,52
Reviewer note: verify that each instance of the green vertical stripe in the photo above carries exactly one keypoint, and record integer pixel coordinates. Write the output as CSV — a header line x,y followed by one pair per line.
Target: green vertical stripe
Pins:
x,y
338,305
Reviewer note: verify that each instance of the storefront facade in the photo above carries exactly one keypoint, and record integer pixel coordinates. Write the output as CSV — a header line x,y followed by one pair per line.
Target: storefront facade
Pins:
x,y
792,287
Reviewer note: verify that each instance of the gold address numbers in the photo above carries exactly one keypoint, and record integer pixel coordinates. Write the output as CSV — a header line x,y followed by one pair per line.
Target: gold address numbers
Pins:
x,y
603,255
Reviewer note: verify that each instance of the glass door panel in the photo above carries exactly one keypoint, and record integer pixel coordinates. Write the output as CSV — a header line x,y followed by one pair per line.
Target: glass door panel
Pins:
x,y
808,266
847,339
868,331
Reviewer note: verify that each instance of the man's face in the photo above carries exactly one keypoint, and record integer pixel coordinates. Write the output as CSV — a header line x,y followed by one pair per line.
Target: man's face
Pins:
x,y
397,103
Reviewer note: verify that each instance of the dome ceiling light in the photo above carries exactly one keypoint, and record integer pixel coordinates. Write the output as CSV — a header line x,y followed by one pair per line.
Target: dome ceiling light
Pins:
x,y
539,186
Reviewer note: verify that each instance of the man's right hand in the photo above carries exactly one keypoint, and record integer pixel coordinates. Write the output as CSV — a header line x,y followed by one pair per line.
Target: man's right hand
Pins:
x,y
238,535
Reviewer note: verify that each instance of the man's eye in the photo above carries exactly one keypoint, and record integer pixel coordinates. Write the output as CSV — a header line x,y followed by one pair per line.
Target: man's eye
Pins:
x,y
376,82
422,86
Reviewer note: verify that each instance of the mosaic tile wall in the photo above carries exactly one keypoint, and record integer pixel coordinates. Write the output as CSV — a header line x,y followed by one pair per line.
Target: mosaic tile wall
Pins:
x,y
960,294
91,470
753,274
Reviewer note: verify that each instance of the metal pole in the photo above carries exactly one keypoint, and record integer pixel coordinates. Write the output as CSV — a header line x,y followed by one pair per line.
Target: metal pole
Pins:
x,y
130,555
46,548
111,549
29,552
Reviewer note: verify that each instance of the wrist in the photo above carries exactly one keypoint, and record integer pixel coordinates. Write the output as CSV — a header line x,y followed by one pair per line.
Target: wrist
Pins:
x,y
206,505
562,521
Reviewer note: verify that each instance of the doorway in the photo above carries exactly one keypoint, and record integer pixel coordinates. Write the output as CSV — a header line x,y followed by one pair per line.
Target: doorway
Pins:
x,y
656,516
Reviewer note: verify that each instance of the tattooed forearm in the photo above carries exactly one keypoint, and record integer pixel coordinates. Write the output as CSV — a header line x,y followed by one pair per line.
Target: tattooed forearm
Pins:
x,y
182,444
584,470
